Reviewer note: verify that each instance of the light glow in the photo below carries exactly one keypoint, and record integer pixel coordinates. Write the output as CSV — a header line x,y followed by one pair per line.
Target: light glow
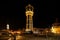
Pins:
x,y
55,30
7,26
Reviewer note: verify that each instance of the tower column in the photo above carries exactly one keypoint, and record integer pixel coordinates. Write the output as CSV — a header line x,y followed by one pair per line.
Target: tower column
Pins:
x,y
26,22
30,22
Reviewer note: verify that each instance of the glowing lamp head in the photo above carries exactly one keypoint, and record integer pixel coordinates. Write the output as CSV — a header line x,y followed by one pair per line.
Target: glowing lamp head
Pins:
x,y
7,26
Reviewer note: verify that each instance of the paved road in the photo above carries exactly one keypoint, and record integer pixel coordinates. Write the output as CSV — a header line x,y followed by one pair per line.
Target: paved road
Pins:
x,y
36,38
30,37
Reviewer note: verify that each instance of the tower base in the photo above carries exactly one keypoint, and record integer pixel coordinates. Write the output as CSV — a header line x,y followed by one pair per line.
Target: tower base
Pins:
x,y
28,31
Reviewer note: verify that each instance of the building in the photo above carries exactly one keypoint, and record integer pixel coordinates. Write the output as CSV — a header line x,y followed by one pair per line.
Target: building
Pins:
x,y
56,27
29,18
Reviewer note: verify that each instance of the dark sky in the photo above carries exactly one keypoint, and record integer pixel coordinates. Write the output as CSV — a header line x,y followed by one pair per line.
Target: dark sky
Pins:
x,y
13,12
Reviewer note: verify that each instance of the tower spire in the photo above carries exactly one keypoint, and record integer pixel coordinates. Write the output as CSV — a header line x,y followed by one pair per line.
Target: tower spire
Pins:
x,y
29,7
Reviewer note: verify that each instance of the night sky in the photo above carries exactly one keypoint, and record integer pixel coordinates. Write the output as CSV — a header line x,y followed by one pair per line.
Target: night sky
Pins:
x,y
13,13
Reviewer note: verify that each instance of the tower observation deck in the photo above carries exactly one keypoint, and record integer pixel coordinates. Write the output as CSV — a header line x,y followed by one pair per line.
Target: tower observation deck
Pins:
x,y
29,17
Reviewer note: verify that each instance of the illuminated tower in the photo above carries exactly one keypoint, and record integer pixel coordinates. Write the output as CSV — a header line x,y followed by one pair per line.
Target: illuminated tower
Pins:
x,y
29,18
7,26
